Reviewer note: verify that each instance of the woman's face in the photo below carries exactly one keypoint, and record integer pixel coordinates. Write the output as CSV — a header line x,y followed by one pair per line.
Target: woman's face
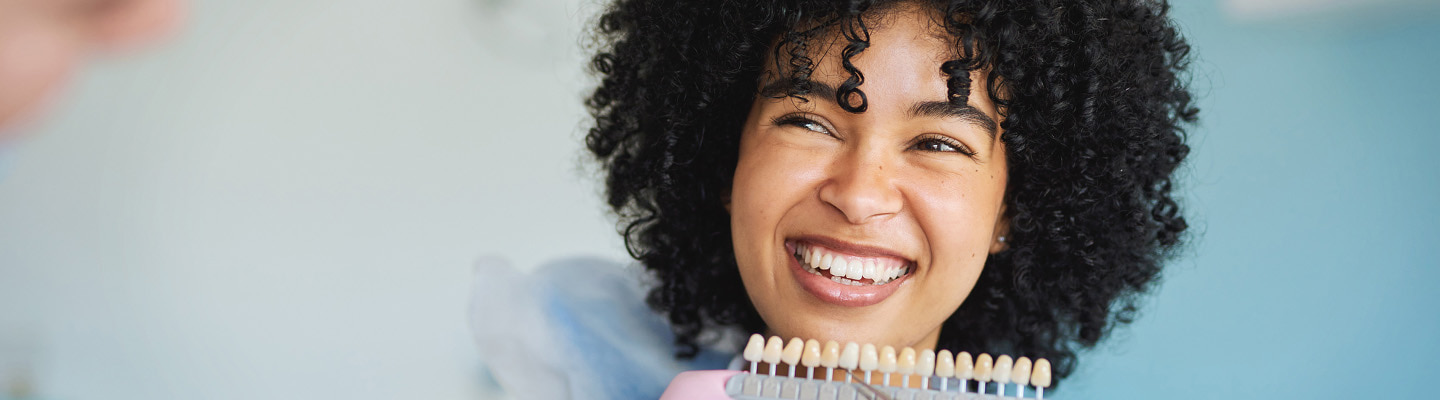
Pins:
x,y
906,195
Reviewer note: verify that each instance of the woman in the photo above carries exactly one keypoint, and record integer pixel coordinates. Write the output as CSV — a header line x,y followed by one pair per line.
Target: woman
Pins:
x,y
989,176
1012,160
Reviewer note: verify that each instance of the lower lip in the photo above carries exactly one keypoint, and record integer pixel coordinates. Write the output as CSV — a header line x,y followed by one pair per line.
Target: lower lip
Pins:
x,y
840,294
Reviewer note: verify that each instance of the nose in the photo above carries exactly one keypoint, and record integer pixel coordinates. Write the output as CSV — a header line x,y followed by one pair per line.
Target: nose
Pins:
x,y
862,187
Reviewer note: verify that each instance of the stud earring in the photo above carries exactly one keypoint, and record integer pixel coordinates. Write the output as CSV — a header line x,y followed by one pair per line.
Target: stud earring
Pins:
x,y
1001,239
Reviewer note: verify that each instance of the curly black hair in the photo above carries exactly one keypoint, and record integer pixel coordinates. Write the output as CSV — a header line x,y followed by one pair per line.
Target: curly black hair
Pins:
x,y
1094,101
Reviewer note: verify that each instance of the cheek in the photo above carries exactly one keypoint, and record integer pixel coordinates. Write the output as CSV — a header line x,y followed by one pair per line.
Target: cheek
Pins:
x,y
770,179
957,216
35,59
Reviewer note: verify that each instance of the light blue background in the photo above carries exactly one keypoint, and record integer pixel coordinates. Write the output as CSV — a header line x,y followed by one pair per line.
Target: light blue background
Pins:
x,y
1314,192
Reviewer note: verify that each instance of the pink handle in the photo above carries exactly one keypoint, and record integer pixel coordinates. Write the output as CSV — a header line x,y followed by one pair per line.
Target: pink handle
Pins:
x,y
698,385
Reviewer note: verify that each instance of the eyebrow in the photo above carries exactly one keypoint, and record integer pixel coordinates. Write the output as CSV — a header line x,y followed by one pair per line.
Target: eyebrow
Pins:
x,y
925,109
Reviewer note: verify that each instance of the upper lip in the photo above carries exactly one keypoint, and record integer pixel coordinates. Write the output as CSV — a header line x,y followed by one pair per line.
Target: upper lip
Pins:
x,y
855,249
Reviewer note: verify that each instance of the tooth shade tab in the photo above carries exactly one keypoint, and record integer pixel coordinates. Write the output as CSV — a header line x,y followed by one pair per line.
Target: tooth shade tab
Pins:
x,y
964,366
811,356
850,357
755,349
984,367
888,361
1021,373
1040,377
925,363
774,348
792,351
869,358
944,364
830,355
906,363
1001,373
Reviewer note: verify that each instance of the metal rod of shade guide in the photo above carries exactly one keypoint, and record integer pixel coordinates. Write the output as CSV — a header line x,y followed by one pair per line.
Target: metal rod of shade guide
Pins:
x,y
810,373
1039,393
772,369
792,371
1019,391
887,380
944,384
982,386
829,374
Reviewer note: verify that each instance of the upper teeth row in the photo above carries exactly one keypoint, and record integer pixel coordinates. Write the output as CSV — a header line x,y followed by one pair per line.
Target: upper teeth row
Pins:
x,y
854,268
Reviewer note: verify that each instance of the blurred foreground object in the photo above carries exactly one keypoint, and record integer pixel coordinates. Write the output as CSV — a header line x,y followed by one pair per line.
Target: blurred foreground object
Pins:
x,y
42,41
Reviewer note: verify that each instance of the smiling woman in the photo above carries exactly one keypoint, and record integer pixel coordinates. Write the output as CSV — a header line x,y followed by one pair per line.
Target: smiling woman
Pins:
x,y
984,175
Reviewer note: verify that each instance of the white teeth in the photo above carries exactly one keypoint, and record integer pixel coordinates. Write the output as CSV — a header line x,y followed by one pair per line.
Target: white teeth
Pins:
x,y
838,266
856,270
846,270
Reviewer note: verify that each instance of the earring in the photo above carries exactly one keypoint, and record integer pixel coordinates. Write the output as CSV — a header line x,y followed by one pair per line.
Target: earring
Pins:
x,y
1001,239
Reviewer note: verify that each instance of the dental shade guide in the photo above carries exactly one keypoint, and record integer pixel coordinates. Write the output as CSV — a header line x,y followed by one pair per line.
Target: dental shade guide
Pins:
x,y
851,360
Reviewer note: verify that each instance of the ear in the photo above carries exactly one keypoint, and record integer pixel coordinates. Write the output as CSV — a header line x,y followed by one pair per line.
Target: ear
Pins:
x,y
1000,235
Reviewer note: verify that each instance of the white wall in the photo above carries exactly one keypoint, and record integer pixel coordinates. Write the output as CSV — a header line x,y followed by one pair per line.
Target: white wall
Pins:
x,y
284,201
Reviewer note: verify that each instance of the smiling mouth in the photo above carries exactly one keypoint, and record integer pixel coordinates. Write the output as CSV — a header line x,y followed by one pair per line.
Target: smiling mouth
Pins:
x,y
848,269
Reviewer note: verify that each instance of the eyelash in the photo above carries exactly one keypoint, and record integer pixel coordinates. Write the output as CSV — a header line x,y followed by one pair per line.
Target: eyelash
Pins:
x,y
802,122
928,142
923,143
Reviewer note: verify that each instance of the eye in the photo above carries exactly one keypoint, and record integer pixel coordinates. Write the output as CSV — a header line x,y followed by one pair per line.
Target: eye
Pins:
x,y
943,144
803,122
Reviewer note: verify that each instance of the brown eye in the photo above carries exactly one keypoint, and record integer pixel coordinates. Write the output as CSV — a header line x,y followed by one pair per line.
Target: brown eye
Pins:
x,y
942,144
